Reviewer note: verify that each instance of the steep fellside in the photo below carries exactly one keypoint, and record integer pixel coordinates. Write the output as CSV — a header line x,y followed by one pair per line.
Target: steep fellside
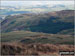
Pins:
x,y
52,22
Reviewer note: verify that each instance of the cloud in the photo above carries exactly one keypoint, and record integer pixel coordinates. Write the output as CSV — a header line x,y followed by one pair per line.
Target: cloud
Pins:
x,y
34,3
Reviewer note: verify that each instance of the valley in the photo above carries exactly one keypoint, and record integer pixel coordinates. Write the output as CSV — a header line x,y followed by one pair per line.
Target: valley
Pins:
x,y
52,31
37,28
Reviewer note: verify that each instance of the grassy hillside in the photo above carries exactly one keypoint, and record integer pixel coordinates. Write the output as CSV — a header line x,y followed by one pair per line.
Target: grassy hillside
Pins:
x,y
34,37
52,22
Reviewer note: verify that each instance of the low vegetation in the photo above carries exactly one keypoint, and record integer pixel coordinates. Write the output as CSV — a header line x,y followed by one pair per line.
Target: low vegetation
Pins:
x,y
33,49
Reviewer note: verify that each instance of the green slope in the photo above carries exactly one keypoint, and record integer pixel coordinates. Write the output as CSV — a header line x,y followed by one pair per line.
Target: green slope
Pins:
x,y
36,37
52,22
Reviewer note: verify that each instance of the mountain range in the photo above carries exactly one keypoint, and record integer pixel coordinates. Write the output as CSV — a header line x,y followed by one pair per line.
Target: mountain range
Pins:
x,y
9,10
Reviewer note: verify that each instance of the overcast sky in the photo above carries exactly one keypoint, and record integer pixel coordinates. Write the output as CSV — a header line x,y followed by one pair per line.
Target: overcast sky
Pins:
x,y
31,3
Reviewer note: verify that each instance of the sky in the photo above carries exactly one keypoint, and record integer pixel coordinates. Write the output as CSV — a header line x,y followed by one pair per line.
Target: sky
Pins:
x,y
32,3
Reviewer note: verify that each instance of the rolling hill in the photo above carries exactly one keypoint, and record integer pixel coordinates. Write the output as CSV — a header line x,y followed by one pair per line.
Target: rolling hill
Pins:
x,y
57,22
36,37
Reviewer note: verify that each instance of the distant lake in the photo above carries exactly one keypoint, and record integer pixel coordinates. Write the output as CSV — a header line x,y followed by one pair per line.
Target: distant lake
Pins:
x,y
14,12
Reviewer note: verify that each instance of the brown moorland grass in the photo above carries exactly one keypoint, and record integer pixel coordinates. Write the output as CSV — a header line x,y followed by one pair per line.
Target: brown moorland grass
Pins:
x,y
33,49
